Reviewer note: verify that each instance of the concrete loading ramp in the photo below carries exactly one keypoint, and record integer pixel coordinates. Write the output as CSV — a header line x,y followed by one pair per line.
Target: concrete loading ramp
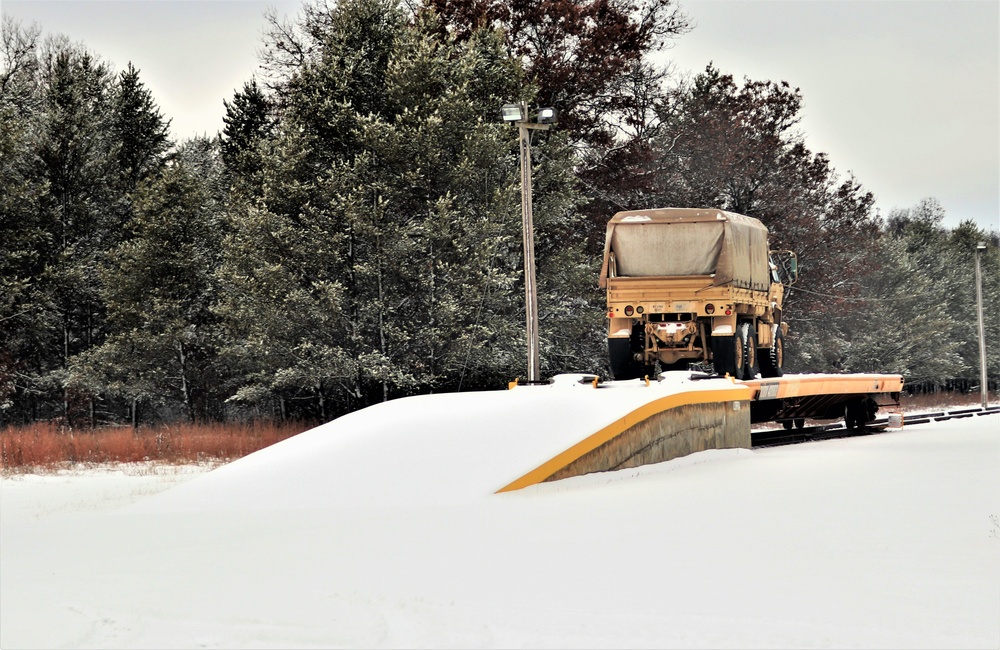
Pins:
x,y
665,419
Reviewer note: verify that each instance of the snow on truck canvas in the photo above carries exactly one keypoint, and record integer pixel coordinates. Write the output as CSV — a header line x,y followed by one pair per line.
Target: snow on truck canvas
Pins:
x,y
384,528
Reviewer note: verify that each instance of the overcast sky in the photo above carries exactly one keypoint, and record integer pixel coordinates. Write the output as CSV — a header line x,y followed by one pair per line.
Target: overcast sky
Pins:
x,y
904,94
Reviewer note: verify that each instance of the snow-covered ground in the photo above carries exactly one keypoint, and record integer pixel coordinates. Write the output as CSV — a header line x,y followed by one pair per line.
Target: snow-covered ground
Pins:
x,y
382,529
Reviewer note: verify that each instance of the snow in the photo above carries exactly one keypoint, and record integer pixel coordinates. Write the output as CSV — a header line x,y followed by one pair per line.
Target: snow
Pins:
x,y
382,529
430,449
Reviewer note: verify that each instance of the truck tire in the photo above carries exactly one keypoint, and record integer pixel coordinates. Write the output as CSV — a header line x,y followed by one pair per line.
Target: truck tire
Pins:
x,y
772,359
727,355
748,337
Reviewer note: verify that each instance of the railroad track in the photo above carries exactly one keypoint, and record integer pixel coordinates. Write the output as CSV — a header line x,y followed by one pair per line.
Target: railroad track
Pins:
x,y
777,437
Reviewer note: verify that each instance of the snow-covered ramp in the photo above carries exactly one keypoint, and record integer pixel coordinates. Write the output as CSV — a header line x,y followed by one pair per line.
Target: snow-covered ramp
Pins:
x,y
455,447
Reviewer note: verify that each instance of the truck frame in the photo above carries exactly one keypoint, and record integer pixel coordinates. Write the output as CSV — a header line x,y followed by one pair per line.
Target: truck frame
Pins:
x,y
694,287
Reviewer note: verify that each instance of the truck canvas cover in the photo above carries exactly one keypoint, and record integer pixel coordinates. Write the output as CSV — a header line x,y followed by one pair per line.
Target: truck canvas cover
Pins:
x,y
673,242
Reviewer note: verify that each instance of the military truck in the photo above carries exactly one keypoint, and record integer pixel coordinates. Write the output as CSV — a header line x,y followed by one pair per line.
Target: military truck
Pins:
x,y
694,288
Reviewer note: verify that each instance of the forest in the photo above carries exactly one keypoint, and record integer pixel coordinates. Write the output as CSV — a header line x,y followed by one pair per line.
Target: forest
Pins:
x,y
353,234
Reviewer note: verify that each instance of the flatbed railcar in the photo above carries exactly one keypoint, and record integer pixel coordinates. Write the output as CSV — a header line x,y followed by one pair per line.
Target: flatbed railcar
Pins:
x,y
791,399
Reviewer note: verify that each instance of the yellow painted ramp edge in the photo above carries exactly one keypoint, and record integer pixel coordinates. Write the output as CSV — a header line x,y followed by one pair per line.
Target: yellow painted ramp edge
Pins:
x,y
556,463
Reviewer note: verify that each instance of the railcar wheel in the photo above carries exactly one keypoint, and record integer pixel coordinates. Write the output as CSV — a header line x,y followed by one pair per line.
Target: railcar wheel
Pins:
x,y
855,414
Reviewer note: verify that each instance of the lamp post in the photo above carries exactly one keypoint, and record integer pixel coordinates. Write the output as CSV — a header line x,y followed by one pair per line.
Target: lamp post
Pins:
x,y
983,388
518,115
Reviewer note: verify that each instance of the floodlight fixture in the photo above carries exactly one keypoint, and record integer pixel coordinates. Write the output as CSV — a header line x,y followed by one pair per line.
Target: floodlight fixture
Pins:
x,y
511,113
547,115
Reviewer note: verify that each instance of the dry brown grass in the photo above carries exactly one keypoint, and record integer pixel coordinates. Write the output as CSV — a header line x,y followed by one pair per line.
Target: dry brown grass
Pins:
x,y
45,445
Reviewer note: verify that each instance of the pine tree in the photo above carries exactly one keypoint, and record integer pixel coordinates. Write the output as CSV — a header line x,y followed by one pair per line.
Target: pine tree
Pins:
x,y
897,325
383,257
963,321
248,124
78,213
916,313
25,326
94,136
585,57
140,134
159,288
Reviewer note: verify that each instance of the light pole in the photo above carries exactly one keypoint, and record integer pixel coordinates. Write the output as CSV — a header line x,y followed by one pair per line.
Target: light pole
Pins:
x,y
518,115
983,388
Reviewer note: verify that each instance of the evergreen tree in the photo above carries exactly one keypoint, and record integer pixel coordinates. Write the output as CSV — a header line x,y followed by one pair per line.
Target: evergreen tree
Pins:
x,y
25,325
383,257
78,209
140,134
963,326
248,124
587,58
78,138
947,260
19,52
290,257
159,289
428,219
897,325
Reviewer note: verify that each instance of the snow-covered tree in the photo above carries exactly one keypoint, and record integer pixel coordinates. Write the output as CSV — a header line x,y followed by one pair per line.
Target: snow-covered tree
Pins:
x,y
383,255
159,287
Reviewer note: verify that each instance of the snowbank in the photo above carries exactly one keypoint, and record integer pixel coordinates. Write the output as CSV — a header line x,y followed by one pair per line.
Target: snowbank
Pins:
x,y
448,448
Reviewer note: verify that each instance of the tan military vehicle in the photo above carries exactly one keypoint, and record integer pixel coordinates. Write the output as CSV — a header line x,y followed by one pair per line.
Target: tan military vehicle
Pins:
x,y
694,288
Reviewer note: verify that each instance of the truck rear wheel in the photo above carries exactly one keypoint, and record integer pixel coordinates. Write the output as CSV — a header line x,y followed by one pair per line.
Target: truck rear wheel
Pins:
x,y
773,360
748,337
